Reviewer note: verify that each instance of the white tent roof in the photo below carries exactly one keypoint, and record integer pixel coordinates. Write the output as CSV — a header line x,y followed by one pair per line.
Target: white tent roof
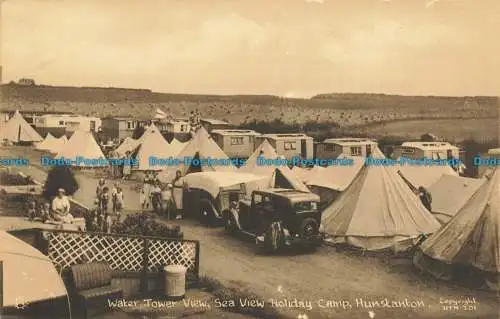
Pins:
x,y
425,175
18,130
336,177
203,146
52,144
472,237
153,144
212,182
450,193
28,275
494,151
378,211
128,145
275,174
81,144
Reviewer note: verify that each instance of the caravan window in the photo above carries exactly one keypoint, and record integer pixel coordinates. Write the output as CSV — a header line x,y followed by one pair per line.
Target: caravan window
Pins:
x,y
237,141
356,151
408,150
329,147
290,146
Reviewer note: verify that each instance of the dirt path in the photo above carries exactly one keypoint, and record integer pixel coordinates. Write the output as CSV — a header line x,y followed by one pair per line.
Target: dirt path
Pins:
x,y
316,277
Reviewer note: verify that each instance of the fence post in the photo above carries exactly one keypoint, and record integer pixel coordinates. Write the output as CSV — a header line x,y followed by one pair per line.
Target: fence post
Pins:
x,y
145,262
197,263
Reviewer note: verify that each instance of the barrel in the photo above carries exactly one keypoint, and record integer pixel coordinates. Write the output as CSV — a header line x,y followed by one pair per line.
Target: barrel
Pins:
x,y
175,282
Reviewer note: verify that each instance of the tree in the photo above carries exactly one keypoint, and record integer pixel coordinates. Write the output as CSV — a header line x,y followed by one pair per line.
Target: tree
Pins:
x,y
60,177
138,131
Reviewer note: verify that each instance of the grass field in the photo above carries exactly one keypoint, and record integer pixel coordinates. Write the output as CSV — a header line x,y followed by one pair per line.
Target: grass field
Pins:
x,y
450,129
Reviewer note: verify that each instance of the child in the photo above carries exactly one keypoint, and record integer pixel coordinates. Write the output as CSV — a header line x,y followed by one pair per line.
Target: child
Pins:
x,y
143,198
44,213
114,190
31,214
119,202
105,200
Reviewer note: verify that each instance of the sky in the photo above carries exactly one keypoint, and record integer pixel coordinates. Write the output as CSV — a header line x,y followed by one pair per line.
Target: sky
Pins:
x,y
294,48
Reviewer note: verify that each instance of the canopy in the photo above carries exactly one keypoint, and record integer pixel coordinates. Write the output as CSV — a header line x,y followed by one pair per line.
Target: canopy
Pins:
x,y
472,237
82,144
212,182
28,275
18,130
277,176
450,193
378,211
200,146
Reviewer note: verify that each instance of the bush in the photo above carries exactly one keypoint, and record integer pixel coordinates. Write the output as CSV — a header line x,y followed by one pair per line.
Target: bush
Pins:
x,y
145,224
15,179
60,177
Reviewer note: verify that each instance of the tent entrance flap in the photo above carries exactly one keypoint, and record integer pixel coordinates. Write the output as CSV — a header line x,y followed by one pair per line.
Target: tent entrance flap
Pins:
x,y
280,181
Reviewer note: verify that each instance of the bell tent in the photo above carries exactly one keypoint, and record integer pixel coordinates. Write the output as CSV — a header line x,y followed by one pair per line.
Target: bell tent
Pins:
x,y
200,148
377,211
83,150
128,145
470,239
425,176
153,144
52,144
18,130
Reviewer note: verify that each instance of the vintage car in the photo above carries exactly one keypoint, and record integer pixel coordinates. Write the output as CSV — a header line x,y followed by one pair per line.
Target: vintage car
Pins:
x,y
207,194
277,218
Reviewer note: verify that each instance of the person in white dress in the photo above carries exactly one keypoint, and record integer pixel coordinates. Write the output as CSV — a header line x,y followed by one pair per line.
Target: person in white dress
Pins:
x,y
61,207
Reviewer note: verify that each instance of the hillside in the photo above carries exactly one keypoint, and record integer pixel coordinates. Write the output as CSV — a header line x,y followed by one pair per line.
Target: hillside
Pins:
x,y
347,110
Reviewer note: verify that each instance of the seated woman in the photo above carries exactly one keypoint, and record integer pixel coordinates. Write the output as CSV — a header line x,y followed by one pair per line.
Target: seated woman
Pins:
x,y
61,207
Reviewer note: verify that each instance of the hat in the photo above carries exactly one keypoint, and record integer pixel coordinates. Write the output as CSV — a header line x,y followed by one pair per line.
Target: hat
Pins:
x,y
61,190
169,185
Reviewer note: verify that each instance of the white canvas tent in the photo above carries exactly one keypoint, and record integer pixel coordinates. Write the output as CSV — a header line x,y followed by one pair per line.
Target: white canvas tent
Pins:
x,y
128,145
278,176
470,239
52,144
450,193
203,147
153,144
28,275
336,177
424,176
82,144
18,130
378,211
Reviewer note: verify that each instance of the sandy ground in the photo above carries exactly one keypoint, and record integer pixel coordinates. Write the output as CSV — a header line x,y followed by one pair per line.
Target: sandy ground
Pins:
x,y
314,278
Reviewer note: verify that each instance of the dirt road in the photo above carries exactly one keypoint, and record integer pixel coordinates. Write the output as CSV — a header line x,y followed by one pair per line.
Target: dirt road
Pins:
x,y
308,281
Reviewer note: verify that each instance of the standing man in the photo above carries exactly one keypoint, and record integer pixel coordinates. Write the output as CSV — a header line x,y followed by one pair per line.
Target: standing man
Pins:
x,y
425,197
178,192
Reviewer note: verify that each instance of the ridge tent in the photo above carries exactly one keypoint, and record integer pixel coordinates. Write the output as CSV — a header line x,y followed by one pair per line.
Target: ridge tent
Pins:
x,y
201,146
278,175
18,130
28,276
378,211
450,193
153,144
470,239
425,176
82,144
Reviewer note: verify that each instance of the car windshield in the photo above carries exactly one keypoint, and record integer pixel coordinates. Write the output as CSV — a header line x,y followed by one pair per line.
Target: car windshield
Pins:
x,y
306,206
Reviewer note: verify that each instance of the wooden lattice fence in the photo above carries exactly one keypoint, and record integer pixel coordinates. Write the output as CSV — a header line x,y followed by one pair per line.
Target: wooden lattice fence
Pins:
x,y
132,254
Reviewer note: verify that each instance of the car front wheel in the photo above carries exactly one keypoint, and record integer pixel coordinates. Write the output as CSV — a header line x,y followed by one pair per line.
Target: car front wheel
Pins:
x,y
309,227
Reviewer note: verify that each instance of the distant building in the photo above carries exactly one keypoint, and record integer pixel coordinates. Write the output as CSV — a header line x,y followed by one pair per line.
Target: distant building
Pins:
x,y
27,82
236,143
83,123
178,128
121,127
31,117
334,147
290,145
212,124
430,150
429,137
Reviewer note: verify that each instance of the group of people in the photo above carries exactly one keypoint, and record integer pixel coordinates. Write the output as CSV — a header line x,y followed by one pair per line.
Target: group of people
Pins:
x,y
195,121
160,197
109,203
57,211
120,171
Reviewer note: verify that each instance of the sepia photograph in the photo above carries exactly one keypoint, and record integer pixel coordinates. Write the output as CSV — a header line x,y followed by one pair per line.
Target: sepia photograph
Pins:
x,y
298,159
